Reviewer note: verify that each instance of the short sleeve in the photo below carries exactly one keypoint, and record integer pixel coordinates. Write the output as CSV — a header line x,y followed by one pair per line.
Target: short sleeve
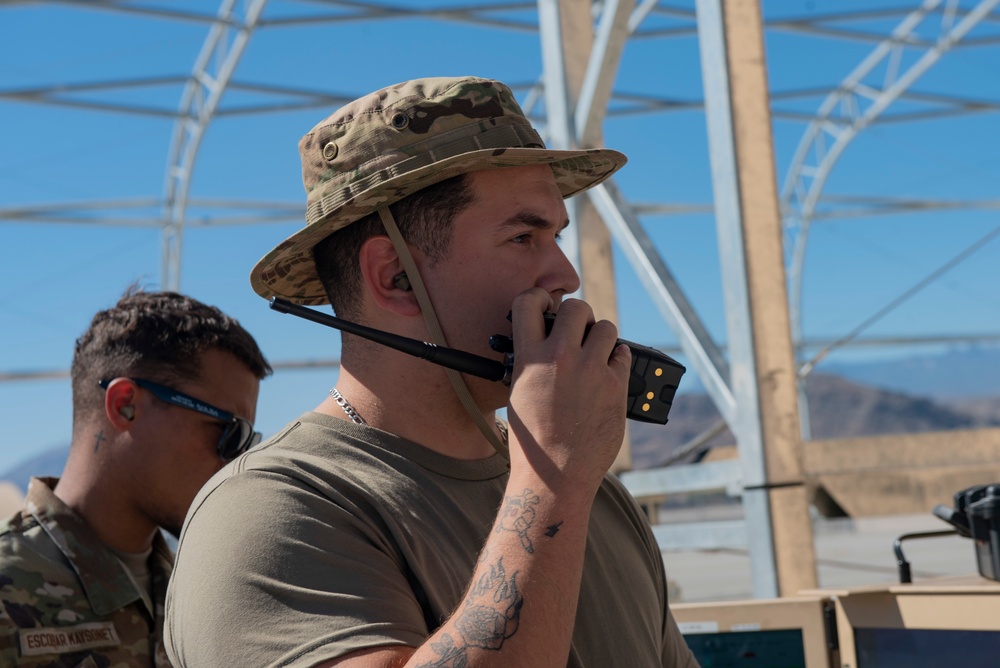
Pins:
x,y
271,572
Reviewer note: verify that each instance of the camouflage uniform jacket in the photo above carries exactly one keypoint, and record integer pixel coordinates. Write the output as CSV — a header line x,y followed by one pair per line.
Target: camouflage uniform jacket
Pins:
x,y
67,600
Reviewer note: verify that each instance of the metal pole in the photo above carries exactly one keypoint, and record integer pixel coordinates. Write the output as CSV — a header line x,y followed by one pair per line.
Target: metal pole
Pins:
x,y
762,368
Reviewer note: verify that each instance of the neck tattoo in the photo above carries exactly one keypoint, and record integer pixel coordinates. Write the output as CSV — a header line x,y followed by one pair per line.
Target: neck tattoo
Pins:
x,y
348,408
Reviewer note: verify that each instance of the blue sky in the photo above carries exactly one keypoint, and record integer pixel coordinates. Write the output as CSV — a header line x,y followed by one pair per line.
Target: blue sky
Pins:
x,y
57,275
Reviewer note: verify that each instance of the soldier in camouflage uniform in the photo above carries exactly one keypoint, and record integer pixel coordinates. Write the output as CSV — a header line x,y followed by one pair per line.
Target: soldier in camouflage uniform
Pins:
x,y
83,566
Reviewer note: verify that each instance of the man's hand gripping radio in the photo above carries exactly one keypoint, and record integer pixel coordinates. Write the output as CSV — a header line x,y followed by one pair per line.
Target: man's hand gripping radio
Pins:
x,y
652,382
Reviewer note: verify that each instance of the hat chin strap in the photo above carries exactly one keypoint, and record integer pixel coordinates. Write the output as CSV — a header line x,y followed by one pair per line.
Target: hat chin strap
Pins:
x,y
434,327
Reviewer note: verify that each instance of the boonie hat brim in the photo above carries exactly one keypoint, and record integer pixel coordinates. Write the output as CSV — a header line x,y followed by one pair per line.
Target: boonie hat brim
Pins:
x,y
339,198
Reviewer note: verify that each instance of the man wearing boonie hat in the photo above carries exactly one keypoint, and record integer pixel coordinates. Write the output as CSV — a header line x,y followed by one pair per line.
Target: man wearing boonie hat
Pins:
x,y
399,523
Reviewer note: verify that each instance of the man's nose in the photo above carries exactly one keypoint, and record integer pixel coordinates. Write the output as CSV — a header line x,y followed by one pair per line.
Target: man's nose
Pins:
x,y
560,277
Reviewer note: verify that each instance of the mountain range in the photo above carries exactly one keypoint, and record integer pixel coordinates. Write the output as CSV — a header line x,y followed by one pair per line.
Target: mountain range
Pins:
x,y
958,373
954,390
838,408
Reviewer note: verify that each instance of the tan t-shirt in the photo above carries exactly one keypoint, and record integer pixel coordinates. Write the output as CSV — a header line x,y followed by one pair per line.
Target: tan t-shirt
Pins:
x,y
334,537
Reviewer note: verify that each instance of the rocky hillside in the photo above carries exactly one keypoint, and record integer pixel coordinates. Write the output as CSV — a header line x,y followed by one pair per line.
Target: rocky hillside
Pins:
x,y
838,408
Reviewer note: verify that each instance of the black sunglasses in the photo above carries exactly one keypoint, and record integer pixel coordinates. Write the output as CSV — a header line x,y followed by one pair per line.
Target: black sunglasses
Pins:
x,y
238,436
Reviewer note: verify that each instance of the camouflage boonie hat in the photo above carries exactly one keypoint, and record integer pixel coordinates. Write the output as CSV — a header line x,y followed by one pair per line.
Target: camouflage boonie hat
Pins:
x,y
377,150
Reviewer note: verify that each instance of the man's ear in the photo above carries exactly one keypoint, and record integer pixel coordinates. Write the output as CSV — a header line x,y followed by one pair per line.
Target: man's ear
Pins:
x,y
120,403
380,277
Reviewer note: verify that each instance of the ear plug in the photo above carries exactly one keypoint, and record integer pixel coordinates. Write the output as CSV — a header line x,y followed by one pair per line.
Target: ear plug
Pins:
x,y
401,282
128,412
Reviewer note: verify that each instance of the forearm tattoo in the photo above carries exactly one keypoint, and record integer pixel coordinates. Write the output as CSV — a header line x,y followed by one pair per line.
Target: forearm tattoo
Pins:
x,y
492,609
491,614
517,515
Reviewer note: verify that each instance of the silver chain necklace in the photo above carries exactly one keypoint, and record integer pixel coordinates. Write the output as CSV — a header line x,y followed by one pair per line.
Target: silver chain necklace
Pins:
x,y
348,408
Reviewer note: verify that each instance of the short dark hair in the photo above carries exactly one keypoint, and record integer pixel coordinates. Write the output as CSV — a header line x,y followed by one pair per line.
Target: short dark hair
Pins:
x,y
424,219
159,336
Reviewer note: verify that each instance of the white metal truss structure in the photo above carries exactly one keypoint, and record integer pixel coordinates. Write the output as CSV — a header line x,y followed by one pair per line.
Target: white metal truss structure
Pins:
x,y
861,100
852,105
227,39
856,103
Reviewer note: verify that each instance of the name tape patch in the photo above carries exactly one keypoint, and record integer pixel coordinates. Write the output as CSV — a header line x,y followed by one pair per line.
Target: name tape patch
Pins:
x,y
68,638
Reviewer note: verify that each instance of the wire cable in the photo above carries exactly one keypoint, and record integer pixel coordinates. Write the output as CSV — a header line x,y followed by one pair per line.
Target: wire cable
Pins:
x,y
808,367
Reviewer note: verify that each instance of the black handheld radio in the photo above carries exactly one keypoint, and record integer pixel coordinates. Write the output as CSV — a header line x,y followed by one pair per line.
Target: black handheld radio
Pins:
x,y
652,382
